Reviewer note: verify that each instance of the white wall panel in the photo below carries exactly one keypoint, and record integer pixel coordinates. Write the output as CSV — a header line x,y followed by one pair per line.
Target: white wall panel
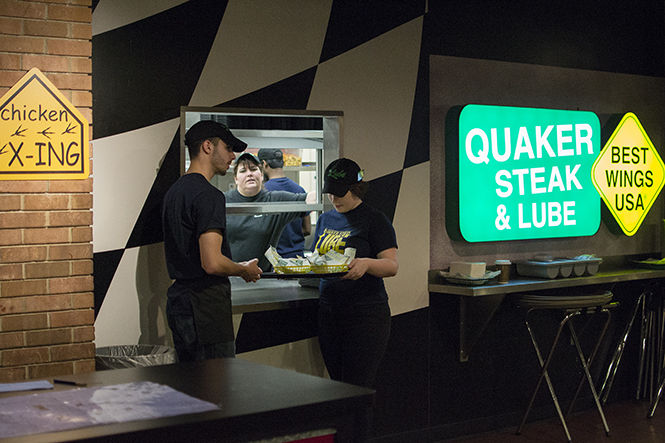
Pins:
x,y
408,291
374,85
134,310
112,14
118,320
259,43
125,167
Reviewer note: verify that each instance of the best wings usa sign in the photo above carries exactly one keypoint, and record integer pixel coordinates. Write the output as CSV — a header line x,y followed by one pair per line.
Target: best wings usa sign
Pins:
x,y
629,174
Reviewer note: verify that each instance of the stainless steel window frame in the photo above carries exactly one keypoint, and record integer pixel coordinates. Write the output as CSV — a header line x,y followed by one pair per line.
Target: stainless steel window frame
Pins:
x,y
330,133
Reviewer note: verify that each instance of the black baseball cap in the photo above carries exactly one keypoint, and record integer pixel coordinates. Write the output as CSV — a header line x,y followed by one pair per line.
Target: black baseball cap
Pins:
x,y
248,156
340,175
206,129
270,154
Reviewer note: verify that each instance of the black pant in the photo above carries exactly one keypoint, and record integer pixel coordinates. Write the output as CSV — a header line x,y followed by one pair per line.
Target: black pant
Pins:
x,y
186,337
353,340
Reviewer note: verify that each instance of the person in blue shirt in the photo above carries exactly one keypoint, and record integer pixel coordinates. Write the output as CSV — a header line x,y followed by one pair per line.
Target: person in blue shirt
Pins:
x,y
354,315
292,241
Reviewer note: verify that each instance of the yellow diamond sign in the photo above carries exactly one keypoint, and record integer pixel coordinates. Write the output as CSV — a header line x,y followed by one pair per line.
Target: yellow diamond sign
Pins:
x,y
629,174
42,136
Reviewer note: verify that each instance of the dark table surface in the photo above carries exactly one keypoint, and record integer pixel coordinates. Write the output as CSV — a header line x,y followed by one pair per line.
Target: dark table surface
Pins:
x,y
256,401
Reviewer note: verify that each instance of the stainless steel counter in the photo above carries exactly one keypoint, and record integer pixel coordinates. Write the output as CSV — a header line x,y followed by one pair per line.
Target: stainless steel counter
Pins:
x,y
478,304
270,294
438,285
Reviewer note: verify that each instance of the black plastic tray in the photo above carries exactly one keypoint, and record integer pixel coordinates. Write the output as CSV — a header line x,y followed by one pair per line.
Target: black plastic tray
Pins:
x,y
302,275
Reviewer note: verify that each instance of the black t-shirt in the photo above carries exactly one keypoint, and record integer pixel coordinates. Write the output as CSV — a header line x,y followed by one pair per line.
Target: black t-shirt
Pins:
x,y
192,206
369,232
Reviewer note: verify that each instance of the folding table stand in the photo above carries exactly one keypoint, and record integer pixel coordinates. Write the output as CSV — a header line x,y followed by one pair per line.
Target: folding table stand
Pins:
x,y
570,306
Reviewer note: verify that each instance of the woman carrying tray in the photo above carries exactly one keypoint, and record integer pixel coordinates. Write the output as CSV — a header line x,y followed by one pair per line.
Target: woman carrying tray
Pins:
x,y
354,316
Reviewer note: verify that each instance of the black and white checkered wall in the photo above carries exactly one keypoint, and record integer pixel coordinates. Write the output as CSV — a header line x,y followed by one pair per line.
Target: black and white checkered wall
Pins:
x,y
370,59
362,58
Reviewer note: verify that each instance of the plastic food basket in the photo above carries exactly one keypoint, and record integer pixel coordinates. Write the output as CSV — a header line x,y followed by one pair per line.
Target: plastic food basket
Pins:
x,y
329,269
292,269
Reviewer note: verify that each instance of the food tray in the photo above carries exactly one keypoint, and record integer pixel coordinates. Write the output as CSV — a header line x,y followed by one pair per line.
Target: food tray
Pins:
x,y
327,269
292,269
564,267
301,275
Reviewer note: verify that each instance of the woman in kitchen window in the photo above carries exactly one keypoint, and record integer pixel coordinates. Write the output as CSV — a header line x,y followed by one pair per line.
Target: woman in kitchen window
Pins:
x,y
251,235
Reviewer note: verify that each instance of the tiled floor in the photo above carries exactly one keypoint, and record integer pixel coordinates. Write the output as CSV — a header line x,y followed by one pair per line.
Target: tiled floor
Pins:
x,y
627,421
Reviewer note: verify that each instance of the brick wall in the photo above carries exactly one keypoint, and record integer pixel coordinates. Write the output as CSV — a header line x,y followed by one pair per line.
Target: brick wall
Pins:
x,y
46,298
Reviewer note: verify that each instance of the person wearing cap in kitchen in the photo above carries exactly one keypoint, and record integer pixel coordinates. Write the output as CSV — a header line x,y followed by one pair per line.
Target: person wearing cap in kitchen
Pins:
x,y
292,242
354,316
196,246
251,235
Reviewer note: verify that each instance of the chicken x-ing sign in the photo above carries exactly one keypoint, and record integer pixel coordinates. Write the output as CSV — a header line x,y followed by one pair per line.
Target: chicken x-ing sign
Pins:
x,y
42,135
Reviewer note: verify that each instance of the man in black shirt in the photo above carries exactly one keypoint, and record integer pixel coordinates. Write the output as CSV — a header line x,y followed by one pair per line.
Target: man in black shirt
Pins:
x,y
197,251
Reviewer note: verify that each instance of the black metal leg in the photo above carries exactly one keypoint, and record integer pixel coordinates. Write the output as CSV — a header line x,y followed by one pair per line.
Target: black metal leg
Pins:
x,y
657,341
606,385
592,356
643,351
544,364
652,409
588,374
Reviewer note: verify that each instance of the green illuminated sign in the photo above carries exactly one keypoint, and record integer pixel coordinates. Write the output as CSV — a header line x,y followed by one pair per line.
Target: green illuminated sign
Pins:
x,y
525,173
